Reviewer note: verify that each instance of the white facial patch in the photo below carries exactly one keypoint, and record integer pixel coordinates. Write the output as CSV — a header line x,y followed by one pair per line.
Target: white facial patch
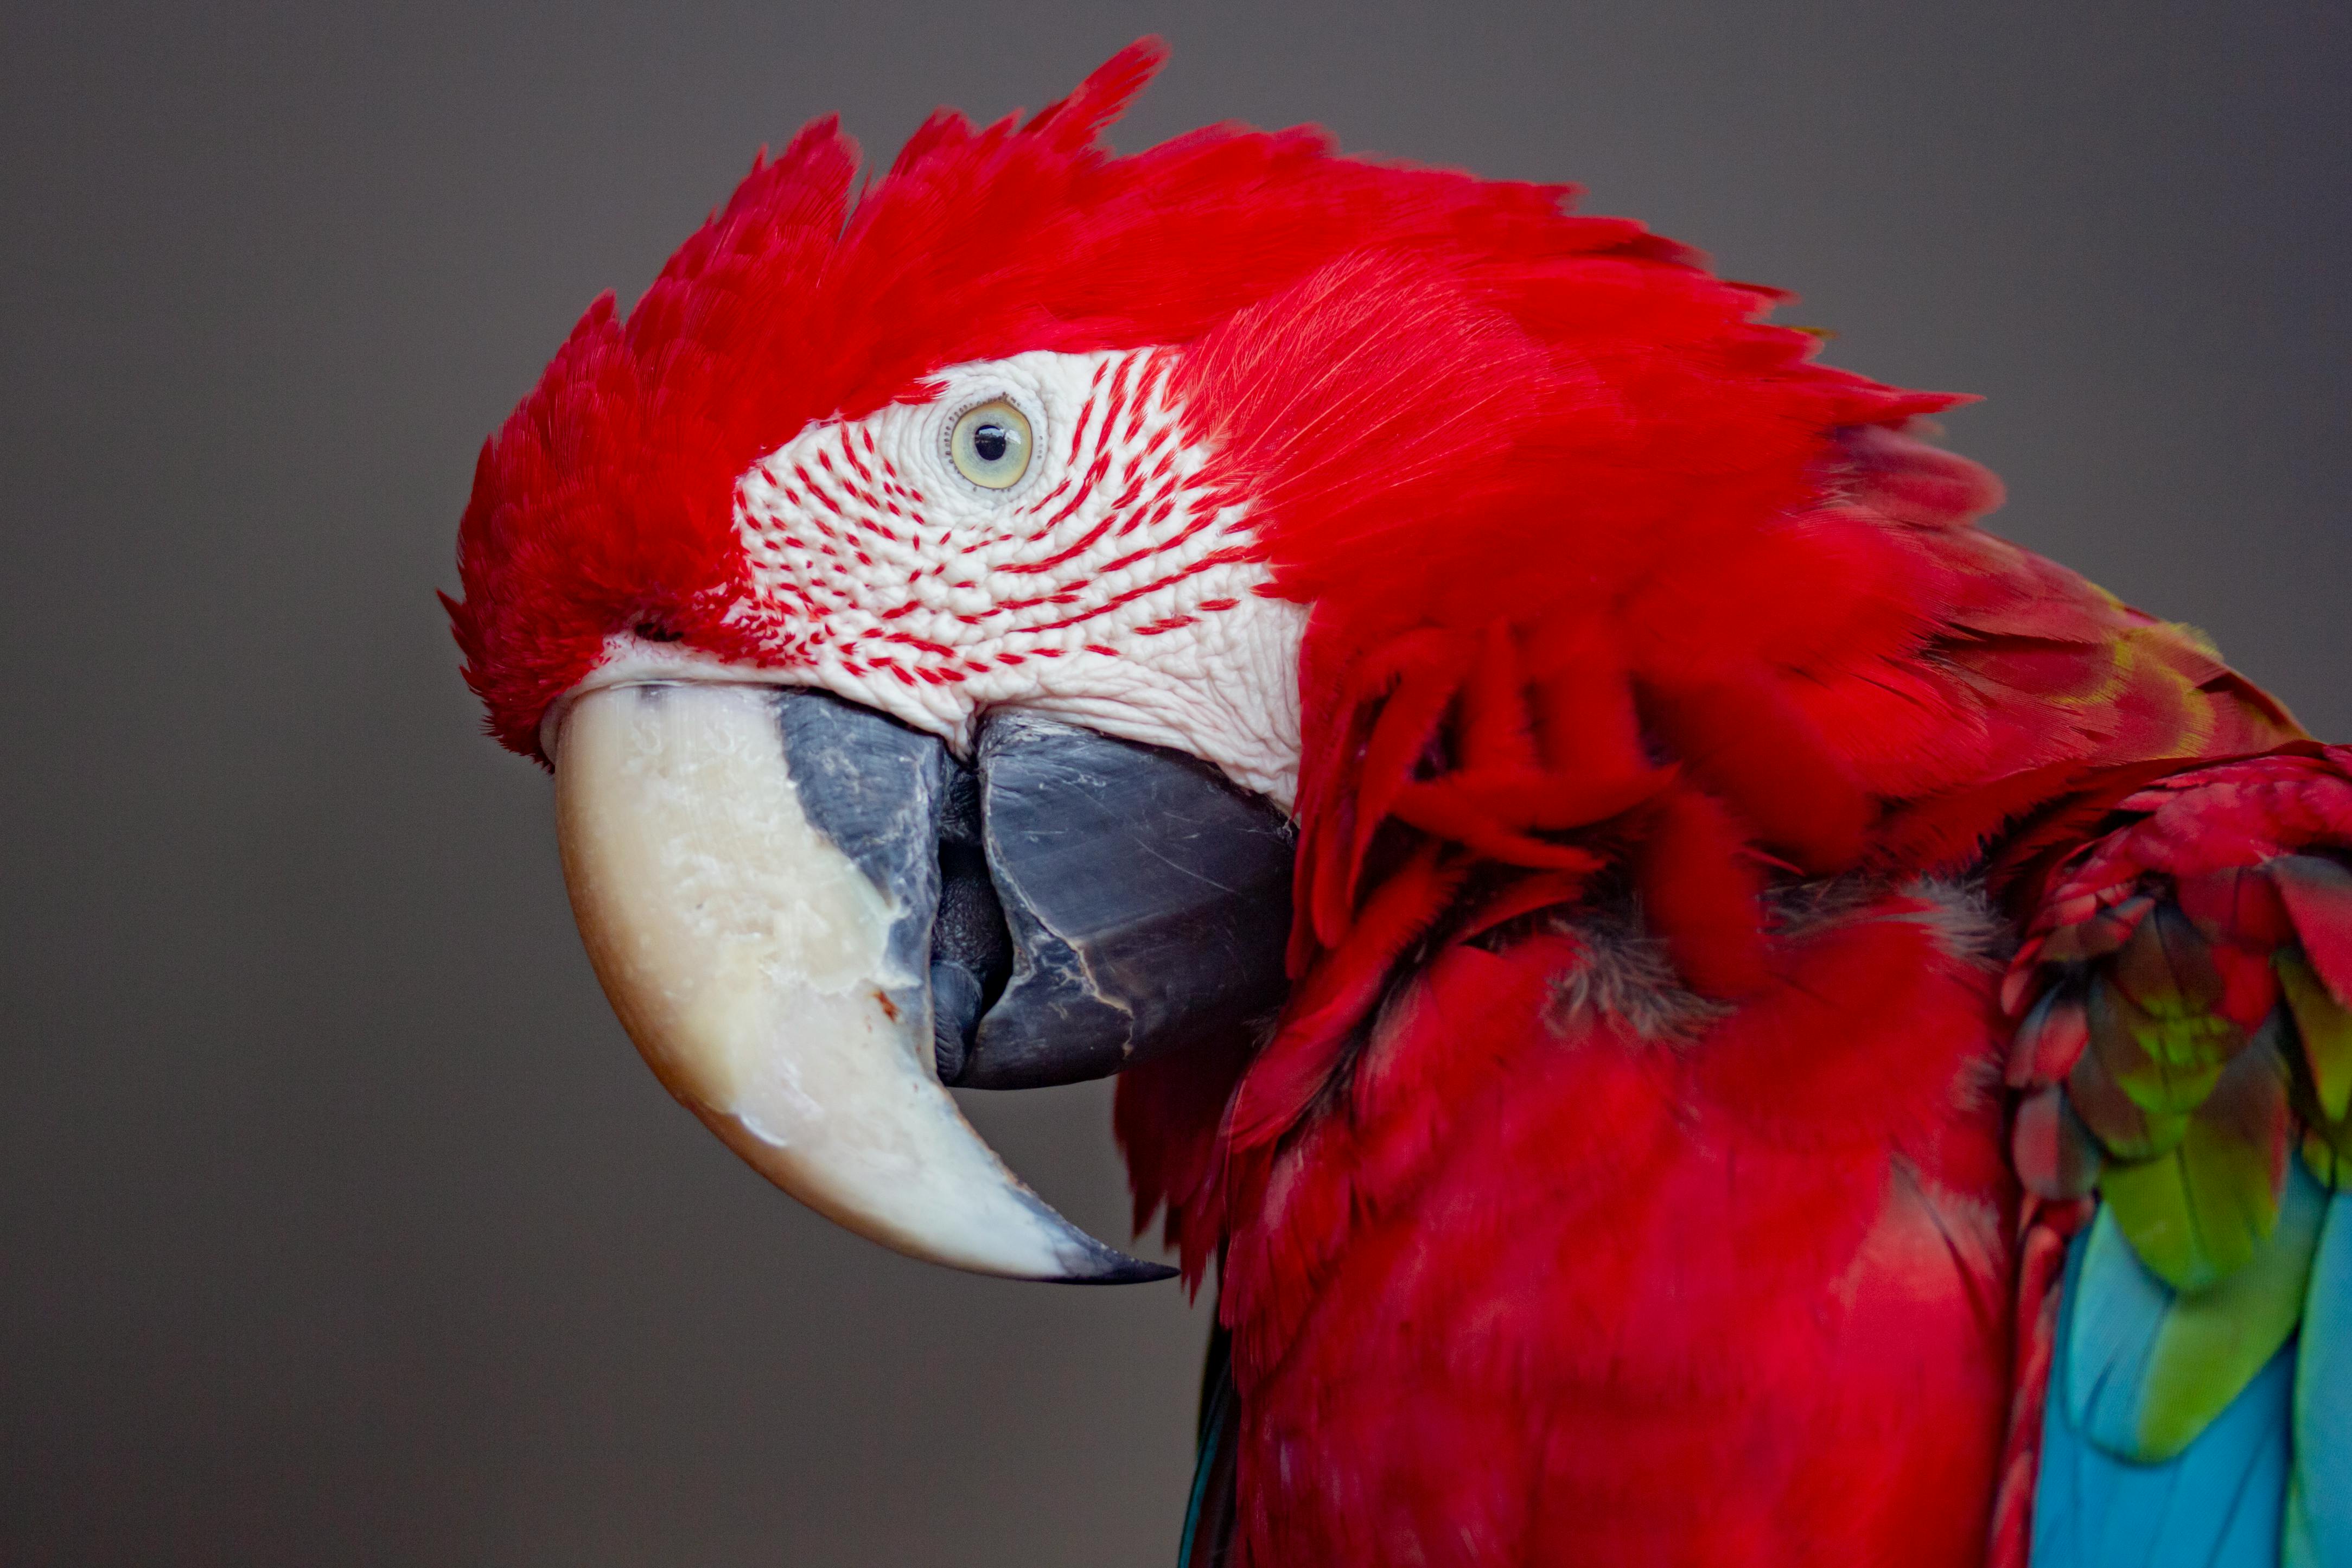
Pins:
x,y
1103,587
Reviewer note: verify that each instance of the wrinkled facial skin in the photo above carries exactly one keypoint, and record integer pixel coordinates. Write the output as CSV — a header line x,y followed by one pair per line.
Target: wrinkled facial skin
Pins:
x,y
1107,586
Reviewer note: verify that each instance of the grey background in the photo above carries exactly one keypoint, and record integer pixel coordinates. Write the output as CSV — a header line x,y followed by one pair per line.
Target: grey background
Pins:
x,y
338,1222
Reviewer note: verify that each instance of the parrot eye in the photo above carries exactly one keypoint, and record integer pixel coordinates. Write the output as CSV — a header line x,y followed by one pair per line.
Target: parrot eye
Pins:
x,y
990,445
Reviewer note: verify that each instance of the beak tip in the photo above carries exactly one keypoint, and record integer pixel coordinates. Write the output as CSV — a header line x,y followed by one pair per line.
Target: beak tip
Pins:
x,y
1116,1267
1084,1260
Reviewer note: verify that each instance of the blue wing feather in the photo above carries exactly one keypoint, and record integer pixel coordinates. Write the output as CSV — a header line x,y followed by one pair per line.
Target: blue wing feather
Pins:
x,y
2149,1368
2114,1313
2218,1504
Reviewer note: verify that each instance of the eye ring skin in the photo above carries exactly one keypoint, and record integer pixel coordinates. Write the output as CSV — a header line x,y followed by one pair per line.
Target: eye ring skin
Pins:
x,y
1015,428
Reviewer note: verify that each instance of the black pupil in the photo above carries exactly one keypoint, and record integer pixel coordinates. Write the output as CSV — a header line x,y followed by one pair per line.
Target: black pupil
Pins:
x,y
990,441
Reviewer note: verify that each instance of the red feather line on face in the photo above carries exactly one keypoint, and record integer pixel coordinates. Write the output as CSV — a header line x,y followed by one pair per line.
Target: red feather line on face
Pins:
x,y
803,518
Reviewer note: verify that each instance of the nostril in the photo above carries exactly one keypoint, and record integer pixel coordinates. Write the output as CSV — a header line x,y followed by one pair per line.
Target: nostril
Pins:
x,y
654,631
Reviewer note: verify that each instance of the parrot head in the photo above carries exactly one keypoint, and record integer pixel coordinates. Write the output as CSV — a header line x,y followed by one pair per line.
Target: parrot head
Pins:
x,y
1055,609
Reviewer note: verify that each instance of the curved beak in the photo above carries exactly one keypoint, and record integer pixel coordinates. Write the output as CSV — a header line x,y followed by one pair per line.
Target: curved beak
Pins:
x,y
756,873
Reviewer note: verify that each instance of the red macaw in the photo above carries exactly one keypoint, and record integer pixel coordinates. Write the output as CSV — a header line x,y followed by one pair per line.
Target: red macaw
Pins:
x,y
1704,1009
